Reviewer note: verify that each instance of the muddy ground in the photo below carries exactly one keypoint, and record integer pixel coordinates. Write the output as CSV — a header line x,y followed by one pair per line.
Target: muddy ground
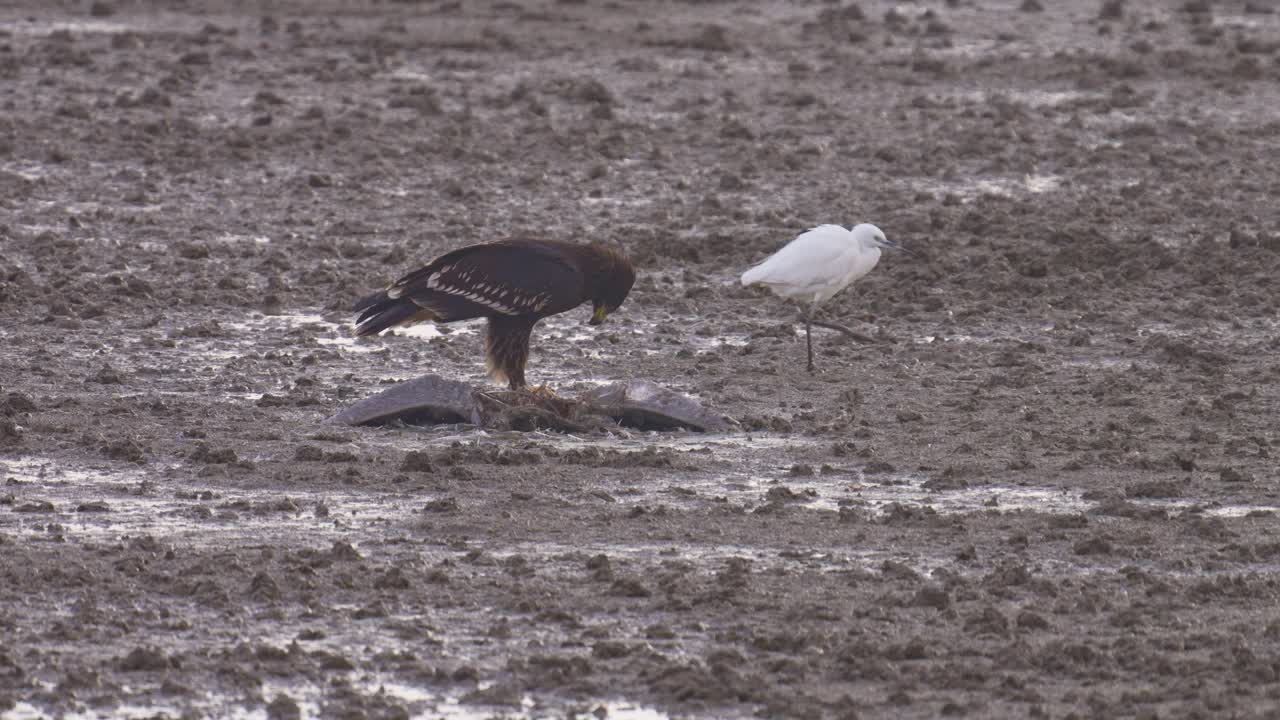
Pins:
x,y
1046,489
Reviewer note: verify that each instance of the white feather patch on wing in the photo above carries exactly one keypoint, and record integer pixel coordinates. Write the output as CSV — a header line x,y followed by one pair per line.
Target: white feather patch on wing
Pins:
x,y
485,294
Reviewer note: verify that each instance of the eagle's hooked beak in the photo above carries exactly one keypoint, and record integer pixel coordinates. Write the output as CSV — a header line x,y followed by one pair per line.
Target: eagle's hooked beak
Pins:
x,y
597,317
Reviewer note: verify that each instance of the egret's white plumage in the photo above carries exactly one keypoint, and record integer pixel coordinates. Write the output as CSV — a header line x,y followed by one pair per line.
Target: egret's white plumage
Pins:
x,y
818,264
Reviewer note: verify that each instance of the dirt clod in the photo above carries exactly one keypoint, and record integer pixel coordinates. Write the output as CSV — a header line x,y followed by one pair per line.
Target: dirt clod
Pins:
x,y
144,659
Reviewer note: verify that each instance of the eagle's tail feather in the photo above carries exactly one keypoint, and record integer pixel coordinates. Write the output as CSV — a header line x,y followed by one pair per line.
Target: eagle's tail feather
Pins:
x,y
369,301
379,312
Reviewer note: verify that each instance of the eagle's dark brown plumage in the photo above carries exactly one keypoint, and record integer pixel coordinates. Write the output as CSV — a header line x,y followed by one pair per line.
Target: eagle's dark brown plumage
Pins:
x,y
513,284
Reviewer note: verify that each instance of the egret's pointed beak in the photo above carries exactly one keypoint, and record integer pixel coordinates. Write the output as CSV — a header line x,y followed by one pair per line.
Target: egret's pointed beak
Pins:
x,y
599,316
887,243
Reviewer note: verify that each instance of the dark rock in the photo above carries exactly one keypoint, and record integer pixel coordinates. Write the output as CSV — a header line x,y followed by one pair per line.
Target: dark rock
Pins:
x,y
308,453
441,505
610,650
1234,475
417,461
142,659
1096,545
343,550
264,588
933,596
17,402
204,454
108,375
629,587
283,708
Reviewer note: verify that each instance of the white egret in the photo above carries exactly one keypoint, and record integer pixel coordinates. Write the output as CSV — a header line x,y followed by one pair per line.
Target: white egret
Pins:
x,y
818,264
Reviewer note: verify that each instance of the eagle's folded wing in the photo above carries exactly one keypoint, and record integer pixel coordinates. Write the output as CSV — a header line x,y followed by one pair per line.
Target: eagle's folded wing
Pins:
x,y
498,278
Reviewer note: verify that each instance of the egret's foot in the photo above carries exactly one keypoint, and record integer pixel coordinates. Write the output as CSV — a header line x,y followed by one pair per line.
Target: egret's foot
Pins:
x,y
851,334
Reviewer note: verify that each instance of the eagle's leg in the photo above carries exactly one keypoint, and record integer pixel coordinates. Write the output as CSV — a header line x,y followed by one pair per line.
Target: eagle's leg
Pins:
x,y
506,349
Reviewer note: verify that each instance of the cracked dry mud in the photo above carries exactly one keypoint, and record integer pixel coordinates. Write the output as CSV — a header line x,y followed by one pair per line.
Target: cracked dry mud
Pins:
x,y
1046,489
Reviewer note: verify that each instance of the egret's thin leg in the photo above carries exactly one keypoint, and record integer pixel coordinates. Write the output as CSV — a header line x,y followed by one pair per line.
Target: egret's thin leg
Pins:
x,y
808,336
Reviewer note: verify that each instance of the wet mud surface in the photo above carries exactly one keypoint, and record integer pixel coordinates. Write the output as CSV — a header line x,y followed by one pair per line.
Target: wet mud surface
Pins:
x,y
1046,489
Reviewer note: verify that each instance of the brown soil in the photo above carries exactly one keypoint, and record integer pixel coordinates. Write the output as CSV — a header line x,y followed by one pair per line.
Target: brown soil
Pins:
x,y
1046,489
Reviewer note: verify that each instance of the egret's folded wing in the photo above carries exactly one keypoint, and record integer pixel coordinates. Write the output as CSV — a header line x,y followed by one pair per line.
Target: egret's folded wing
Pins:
x,y
813,258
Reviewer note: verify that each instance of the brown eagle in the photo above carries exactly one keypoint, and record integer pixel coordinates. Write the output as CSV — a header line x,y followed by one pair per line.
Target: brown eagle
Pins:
x,y
513,284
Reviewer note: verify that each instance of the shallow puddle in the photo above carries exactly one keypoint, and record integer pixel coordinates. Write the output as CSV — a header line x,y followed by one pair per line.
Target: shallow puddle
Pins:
x,y
70,502
27,24
77,27
968,189
421,703
63,503
310,700
1250,21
